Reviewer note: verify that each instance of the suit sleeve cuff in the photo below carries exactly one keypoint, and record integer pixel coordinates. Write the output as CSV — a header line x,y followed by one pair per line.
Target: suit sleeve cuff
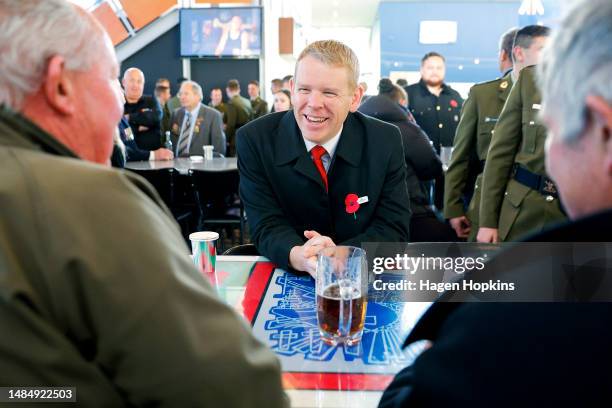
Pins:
x,y
453,211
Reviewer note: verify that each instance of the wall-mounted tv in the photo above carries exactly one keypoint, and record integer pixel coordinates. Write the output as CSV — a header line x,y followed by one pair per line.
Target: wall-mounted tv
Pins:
x,y
221,32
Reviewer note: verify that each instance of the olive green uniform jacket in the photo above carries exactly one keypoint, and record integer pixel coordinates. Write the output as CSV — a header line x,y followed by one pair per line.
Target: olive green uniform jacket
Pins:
x,y
97,290
239,113
506,204
478,118
173,103
222,107
260,107
166,122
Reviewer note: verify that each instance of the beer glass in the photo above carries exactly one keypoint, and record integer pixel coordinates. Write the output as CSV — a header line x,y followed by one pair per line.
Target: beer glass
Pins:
x,y
341,287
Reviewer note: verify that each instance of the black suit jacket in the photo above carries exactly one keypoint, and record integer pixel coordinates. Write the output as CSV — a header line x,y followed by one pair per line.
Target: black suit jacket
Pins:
x,y
148,113
514,354
422,162
284,195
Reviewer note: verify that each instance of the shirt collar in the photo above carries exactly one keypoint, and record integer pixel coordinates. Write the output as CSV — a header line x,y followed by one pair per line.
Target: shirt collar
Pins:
x,y
195,111
330,146
444,87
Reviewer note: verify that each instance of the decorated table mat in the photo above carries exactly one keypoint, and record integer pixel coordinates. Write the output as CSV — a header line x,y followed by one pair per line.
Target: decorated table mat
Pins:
x,y
281,308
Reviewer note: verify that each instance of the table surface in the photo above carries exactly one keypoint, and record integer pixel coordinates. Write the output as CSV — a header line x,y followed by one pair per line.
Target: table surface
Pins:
x,y
184,164
280,307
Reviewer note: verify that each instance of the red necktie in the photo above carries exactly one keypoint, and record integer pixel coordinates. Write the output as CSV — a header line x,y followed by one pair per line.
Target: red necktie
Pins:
x,y
318,152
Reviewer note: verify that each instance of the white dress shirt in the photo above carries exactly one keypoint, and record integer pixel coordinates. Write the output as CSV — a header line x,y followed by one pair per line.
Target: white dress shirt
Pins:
x,y
330,148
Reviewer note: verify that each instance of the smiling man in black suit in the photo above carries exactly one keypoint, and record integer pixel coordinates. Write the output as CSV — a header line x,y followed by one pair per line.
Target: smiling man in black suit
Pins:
x,y
322,174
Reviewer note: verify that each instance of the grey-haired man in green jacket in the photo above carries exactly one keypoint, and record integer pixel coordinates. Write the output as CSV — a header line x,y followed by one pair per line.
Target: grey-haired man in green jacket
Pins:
x,y
97,290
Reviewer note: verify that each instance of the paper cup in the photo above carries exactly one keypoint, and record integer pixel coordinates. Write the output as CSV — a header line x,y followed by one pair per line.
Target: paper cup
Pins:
x,y
204,247
208,152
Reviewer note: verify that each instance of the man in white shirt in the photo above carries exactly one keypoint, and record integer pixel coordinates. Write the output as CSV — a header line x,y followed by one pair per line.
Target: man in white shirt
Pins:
x,y
322,173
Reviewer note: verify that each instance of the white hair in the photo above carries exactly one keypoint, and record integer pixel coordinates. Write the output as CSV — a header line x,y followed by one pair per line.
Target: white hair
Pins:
x,y
133,69
33,31
577,62
195,87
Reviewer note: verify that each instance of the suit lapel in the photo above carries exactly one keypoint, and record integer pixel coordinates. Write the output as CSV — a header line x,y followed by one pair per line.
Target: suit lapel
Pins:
x,y
178,121
198,138
289,146
350,145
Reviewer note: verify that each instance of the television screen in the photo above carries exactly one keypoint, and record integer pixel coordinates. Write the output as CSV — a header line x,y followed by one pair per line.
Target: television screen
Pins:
x,y
221,32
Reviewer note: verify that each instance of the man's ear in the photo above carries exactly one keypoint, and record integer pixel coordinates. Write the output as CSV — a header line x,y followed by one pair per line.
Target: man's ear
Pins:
x,y
517,52
58,88
601,115
357,95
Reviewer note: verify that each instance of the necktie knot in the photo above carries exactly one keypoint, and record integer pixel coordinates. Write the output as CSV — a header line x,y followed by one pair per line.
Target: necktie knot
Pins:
x,y
318,152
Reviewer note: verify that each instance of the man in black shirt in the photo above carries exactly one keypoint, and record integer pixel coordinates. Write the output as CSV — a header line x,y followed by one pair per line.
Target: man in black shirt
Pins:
x,y
435,105
143,112
436,108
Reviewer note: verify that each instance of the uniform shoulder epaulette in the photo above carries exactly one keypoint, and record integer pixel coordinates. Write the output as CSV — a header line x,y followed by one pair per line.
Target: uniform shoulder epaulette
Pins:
x,y
492,81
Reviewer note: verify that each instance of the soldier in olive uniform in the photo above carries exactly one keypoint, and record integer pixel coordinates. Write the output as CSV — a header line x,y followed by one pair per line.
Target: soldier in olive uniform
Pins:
x,y
517,195
480,113
239,113
512,171
162,93
436,108
478,118
174,103
216,101
260,107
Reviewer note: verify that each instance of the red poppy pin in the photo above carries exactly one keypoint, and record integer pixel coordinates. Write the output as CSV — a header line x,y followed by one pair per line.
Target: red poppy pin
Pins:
x,y
453,103
353,202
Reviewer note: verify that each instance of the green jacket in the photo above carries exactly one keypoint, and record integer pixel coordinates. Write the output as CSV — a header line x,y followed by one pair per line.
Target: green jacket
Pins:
x,y
506,204
97,290
173,103
239,113
222,107
166,121
478,118
260,107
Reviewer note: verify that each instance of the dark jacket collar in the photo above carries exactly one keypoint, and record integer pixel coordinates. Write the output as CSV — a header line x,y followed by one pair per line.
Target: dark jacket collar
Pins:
x,y
18,131
289,146
289,143
383,108
425,91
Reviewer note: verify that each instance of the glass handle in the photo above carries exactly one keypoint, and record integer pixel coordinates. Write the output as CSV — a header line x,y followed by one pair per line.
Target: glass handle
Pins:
x,y
345,315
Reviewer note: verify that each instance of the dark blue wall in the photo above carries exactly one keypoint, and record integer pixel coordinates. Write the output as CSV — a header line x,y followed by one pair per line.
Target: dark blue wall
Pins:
x,y
158,59
479,26
214,73
161,58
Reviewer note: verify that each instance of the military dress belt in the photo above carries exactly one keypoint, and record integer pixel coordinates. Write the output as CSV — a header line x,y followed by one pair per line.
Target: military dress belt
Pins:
x,y
541,184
